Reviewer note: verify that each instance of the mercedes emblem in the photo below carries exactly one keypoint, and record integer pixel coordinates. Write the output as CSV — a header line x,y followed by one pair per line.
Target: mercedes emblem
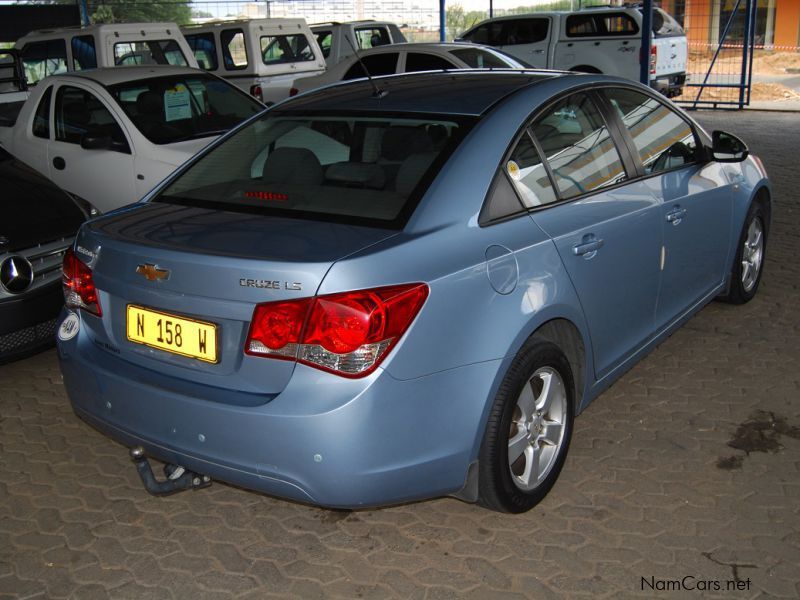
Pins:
x,y
16,274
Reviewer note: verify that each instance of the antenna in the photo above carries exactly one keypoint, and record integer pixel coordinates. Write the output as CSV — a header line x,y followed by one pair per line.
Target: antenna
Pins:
x,y
376,91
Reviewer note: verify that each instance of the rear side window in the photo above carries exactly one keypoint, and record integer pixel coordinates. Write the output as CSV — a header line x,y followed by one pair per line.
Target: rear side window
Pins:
x,y
377,64
417,61
355,169
150,52
285,49
487,34
371,37
84,55
41,120
205,50
610,24
578,147
477,58
664,140
523,31
234,52
79,113
528,174
664,25
325,39
42,59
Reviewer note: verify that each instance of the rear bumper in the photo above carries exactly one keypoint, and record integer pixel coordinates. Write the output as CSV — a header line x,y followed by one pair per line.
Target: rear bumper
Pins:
x,y
377,441
670,85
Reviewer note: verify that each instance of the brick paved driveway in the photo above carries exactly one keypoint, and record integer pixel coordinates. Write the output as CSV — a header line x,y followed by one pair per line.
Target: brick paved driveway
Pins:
x,y
652,488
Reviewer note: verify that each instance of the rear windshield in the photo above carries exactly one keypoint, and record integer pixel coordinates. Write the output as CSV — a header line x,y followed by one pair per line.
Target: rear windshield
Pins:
x,y
477,58
365,170
179,108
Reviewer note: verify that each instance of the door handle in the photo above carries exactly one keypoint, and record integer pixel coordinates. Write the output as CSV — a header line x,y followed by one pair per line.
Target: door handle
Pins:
x,y
676,215
537,51
588,247
59,163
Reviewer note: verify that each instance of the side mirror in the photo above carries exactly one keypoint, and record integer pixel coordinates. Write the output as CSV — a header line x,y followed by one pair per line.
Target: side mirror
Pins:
x,y
103,142
727,148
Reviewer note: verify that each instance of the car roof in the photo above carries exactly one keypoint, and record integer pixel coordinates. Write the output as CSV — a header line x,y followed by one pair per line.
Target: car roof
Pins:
x,y
458,92
113,75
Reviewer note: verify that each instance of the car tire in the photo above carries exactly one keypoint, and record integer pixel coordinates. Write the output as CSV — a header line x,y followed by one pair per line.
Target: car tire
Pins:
x,y
748,266
529,427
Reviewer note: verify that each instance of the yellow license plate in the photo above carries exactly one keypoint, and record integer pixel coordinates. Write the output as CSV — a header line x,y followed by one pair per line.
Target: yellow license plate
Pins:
x,y
179,335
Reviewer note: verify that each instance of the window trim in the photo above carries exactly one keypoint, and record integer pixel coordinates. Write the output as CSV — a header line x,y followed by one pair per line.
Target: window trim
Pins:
x,y
48,96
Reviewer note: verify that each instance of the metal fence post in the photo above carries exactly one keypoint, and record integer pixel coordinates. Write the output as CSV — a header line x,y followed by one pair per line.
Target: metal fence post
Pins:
x,y
647,32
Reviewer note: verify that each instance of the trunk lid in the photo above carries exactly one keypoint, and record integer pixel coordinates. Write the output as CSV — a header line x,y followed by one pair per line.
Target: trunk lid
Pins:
x,y
218,266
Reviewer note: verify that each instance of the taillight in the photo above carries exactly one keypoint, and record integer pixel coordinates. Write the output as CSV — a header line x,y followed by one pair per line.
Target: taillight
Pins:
x,y
653,59
348,333
79,290
293,92
257,93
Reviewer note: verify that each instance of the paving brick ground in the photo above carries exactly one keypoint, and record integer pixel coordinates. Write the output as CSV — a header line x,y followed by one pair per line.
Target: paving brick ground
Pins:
x,y
652,487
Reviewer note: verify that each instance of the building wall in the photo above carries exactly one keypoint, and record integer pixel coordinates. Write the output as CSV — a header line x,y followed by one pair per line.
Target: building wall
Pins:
x,y
787,23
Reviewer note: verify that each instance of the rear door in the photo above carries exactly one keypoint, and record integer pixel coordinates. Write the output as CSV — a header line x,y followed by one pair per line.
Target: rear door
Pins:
x,y
606,42
606,227
695,197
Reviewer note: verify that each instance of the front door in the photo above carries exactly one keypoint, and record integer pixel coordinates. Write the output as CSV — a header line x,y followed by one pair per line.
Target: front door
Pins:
x,y
695,197
103,177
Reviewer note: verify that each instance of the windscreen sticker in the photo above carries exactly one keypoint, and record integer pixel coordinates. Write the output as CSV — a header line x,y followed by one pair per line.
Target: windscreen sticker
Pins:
x,y
513,170
177,103
69,327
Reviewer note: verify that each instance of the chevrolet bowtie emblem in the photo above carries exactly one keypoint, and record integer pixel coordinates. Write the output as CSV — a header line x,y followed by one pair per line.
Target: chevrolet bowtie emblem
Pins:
x,y
152,272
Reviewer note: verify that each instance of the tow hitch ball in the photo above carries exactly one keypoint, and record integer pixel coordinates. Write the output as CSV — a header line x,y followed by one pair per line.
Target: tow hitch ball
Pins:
x,y
178,478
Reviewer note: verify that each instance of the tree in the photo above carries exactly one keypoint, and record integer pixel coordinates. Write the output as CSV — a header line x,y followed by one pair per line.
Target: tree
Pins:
x,y
133,11
457,20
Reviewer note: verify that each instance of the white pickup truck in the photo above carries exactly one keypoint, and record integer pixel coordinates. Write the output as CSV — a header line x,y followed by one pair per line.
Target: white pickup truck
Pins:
x,y
599,40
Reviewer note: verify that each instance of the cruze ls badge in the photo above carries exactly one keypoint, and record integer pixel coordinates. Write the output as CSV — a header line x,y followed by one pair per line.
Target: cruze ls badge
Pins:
x,y
266,284
152,272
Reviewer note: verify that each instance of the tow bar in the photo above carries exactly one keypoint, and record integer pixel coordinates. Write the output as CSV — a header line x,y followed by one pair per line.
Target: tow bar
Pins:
x,y
178,478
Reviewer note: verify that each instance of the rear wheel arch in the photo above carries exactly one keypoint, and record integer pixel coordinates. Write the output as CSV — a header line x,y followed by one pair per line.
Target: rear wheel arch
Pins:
x,y
586,69
566,335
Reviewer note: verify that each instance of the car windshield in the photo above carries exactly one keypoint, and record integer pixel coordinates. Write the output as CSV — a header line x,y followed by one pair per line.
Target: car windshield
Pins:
x,y
367,170
183,107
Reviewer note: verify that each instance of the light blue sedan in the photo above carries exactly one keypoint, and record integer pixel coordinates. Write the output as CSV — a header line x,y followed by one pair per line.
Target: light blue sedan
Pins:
x,y
400,289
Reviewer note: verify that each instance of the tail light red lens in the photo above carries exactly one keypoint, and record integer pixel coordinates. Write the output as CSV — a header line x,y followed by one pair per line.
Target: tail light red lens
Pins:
x,y
257,93
79,290
348,333
653,59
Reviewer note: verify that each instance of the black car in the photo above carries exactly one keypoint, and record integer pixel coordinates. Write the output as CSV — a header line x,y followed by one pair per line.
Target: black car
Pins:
x,y
38,222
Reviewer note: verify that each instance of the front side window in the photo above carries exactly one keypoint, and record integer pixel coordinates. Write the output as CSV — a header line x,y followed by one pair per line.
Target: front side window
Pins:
x,y
664,140
178,108
367,170
234,52
205,50
84,55
371,37
375,65
41,120
276,49
42,59
80,114
150,52
578,147
417,61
